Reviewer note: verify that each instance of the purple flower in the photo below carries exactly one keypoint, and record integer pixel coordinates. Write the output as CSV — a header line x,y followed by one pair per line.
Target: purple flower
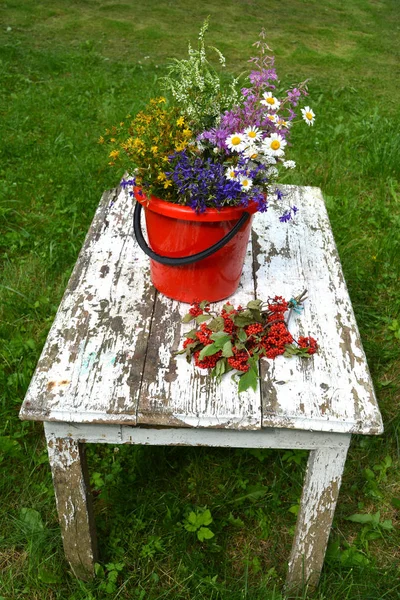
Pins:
x,y
287,215
293,96
125,182
201,182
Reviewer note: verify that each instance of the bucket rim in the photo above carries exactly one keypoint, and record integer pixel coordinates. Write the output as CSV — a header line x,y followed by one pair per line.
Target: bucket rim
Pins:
x,y
185,213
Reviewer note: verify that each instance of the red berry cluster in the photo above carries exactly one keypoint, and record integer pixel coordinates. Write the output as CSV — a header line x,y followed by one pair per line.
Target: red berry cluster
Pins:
x,y
239,360
208,362
204,335
278,305
265,334
188,341
195,310
308,342
227,315
276,339
253,329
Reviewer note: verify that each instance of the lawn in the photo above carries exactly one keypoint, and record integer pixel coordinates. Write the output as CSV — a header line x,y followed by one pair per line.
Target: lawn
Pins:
x,y
70,69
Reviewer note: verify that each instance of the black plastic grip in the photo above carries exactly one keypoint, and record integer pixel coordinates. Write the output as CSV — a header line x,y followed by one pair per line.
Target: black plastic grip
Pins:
x,y
182,260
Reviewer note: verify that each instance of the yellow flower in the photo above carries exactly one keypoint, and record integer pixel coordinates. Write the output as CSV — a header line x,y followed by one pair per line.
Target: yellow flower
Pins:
x,y
154,150
114,154
161,177
167,183
113,140
180,121
187,133
180,146
101,140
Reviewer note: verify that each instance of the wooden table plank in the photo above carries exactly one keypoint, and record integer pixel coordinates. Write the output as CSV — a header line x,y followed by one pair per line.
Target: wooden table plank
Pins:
x,y
177,394
97,361
333,390
91,366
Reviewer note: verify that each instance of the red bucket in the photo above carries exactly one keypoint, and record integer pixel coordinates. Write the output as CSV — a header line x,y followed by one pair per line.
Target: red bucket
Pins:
x,y
194,257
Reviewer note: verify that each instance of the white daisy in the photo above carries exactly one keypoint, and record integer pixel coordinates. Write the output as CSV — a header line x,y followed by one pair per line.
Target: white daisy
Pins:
x,y
272,118
230,173
235,142
251,152
308,115
253,134
246,182
274,145
289,164
282,124
270,101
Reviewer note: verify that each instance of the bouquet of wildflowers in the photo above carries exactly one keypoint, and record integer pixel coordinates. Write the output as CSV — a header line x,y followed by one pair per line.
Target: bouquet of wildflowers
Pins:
x,y
211,145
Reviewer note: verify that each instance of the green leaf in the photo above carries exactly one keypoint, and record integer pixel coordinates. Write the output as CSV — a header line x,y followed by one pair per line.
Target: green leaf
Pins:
x,y
396,503
256,314
248,380
99,571
31,520
202,319
253,493
352,558
9,448
47,576
294,509
254,304
204,534
203,304
242,335
208,351
236,522
242,320
363,519
228,308
187,318
219,368
217,324
190,334
227,349
205,518
220,338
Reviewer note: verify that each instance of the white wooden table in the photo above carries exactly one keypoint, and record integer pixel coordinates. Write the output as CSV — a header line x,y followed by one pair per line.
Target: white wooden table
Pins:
x,y
108,374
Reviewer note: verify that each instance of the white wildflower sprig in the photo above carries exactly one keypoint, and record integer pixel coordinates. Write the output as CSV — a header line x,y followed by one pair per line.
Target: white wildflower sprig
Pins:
x,y
196,86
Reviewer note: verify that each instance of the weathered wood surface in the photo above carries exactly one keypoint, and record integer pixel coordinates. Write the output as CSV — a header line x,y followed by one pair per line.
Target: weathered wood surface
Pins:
x,y
317,507
71,485
109,356
91,366
333,390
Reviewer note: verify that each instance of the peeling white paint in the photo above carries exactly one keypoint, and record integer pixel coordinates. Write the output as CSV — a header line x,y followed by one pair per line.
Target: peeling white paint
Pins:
x,y
92,365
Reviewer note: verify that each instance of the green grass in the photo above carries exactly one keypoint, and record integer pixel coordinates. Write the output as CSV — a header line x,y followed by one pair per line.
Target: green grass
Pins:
x,y
67,71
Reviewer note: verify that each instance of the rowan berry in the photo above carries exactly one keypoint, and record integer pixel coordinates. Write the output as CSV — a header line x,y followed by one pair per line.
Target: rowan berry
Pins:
x,y
204,334
188,341
195,310
208,362
253,329
308,342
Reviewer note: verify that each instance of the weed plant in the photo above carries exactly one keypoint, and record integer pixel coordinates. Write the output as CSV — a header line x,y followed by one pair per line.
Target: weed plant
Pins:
x,y
184,523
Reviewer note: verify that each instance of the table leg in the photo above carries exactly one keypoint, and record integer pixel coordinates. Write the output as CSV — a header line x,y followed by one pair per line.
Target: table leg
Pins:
x,y
318,502
73,499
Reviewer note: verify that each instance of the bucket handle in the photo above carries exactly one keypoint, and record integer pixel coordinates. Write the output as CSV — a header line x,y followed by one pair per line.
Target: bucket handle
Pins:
x,y
182,260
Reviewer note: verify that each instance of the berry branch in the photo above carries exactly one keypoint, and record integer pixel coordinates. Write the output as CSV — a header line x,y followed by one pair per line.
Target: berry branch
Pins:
x,y
237,338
